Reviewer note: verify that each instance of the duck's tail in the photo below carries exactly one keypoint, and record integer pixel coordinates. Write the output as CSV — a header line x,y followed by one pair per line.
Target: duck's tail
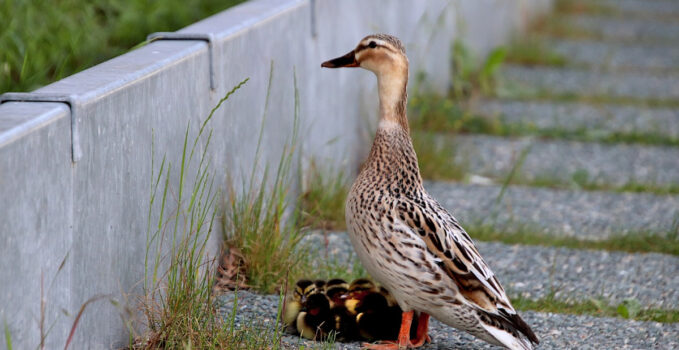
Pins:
x,y
509,329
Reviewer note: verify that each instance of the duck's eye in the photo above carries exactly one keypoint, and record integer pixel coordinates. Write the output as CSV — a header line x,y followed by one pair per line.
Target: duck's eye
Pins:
x,y
372,45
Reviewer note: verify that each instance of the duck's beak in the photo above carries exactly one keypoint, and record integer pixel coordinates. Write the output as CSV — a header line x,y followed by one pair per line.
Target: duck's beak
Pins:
x,y
348,60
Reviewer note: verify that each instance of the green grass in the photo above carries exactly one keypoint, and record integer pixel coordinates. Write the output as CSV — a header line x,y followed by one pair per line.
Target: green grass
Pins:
x,y
321,205
532,51
177,302
581,181
509,92
470,77
629,309
582,7
631,242
43,41
255,222
436,158
440,114
318,265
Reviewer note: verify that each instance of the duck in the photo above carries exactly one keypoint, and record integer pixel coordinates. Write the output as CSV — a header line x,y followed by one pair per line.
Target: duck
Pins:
x,y
404,238
316,320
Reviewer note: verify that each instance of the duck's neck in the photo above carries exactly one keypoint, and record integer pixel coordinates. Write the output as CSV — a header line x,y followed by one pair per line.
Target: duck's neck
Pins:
x,y
393,99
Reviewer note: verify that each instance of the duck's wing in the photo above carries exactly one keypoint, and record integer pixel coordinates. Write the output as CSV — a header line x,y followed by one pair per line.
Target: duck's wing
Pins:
x,y
459,258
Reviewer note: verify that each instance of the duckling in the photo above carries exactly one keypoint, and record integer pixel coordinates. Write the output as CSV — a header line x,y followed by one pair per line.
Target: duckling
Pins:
x,y
390,298
336,282
376,320
405,239
358,289
320,285
337,290
362,286
345,321
315,321
294,303
345,325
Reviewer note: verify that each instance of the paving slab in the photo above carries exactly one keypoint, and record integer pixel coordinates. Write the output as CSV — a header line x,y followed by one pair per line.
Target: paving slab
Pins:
x,y
528,81
556,331
626,28
567,162
624,56
644,8
602,119
585,215
534,272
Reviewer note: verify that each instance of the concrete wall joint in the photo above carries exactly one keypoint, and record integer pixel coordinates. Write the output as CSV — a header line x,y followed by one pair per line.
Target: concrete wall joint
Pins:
x,y
70,100
207,37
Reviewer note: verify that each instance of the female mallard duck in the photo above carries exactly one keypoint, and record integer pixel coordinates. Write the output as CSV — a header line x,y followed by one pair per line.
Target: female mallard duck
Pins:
x,y
404,237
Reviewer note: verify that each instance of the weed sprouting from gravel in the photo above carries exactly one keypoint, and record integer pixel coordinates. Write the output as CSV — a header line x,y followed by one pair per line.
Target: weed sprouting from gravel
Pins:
x,y
177,303
436,158
628,309
256,221
631,242
321,205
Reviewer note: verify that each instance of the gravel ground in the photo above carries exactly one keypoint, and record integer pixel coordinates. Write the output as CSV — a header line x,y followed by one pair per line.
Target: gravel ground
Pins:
x,y
627,29
589,215
610,164
530,80
556,331
599,119
608,55
534,272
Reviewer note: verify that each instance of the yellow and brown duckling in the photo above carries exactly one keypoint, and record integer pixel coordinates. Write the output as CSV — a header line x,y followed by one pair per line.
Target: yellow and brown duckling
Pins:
x,y
375,319
336,289
315,320
295,302
405,239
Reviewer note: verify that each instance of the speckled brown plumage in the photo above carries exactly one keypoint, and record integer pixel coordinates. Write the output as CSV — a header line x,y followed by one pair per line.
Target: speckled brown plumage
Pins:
x,y
405,239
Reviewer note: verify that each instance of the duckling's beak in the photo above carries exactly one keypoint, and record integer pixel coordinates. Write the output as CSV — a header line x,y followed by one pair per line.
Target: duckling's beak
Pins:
x,y
348,60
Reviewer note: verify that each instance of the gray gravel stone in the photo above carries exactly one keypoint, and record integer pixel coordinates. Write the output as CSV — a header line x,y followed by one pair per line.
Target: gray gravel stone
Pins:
x,y
556,331
599,119
533,272
533,80
627,28
608,164
607,55
586,215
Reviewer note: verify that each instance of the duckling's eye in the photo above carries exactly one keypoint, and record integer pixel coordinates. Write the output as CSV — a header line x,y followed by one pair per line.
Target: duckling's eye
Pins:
x,y
372,45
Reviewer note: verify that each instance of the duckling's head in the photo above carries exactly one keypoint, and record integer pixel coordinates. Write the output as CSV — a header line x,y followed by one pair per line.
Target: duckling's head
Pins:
x,y
362,284
379,53
304,288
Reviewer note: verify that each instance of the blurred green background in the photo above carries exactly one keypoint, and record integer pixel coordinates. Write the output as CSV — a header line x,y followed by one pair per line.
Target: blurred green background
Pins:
x,y
42,41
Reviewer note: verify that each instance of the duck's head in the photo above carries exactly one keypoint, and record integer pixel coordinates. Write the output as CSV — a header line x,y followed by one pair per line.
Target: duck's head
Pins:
x,y
379,53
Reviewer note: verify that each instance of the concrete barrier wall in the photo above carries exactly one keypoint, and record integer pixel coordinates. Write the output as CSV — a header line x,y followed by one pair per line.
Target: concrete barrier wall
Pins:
x,y
75,176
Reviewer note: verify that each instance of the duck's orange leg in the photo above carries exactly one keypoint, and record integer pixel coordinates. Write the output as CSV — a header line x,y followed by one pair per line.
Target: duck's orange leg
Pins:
x,y
422,329
404,334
